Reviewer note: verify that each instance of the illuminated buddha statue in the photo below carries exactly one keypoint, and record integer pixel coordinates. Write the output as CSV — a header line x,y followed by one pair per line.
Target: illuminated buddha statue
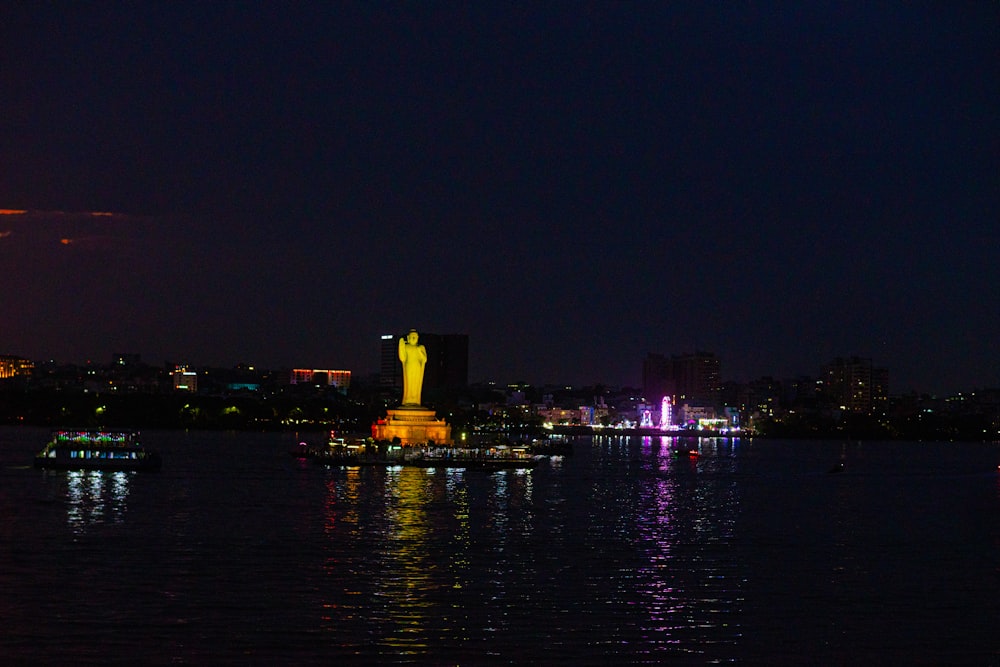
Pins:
x,y
414,358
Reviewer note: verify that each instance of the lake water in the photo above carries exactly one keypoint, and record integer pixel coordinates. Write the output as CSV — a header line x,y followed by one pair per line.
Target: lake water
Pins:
x,y
236,553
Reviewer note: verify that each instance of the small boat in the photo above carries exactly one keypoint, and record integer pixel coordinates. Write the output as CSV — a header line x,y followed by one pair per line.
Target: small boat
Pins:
x,y
551,447
686,453
91,449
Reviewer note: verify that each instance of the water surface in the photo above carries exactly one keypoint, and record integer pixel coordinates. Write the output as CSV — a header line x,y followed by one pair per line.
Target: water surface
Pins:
x,y
752,553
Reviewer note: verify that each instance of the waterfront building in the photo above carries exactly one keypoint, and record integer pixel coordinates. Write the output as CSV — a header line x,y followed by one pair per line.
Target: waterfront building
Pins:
x,y
690,416
11,366
558,415
339,379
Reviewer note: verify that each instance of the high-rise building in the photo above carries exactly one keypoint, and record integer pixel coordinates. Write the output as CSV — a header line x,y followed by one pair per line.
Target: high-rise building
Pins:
x,y
341,380
692,378
447,361
390,373
11,366
856,384
697,377
656,377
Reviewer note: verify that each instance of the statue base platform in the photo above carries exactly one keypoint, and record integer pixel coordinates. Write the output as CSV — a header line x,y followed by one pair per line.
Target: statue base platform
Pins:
x,y
413,426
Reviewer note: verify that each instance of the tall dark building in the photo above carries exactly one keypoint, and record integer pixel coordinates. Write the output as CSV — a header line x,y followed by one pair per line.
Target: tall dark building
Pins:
x,y
390,372
697,377
690,378
856,384
656,381
447,362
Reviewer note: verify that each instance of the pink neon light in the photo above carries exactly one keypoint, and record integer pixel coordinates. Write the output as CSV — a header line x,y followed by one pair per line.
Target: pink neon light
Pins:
x,y
666,416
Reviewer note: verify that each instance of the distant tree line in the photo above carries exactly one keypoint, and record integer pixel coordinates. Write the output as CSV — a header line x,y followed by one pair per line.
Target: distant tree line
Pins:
x,y
304,409
180,411
934,426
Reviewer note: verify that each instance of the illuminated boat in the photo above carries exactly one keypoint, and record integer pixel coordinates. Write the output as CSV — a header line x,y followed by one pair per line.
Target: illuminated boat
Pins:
x,y
88,449
551,447
686,453
489,456
428,456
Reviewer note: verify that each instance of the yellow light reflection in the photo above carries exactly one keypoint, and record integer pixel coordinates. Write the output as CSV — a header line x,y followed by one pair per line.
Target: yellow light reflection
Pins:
x,y
408,559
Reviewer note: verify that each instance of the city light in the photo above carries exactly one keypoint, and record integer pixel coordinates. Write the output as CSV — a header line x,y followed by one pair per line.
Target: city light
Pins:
x,y
666,413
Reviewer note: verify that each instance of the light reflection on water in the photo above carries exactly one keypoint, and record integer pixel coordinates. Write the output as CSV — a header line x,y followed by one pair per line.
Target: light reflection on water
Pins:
x,y
685,576
620,554
406,561
95,497
460,557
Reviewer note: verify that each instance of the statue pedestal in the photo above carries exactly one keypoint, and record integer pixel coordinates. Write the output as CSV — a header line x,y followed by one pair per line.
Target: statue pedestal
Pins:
x,y
413,426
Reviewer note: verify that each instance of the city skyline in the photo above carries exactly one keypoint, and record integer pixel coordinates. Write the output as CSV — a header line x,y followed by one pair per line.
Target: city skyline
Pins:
x,y
574,187
649,377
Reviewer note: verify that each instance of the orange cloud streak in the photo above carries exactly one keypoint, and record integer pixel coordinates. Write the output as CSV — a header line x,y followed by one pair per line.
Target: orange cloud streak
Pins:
x,y
36,213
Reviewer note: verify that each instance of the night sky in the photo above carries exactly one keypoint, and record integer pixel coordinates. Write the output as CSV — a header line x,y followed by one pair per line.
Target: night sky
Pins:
x,y
573,185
